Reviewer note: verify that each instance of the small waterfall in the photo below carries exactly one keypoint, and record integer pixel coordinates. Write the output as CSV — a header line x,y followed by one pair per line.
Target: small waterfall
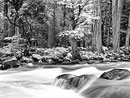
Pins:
x,y
37,84
87,85
77,79
69,81
101,88
32,84
64,81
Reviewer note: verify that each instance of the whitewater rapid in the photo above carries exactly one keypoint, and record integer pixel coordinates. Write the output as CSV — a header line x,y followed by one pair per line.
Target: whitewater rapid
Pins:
x,y
37,83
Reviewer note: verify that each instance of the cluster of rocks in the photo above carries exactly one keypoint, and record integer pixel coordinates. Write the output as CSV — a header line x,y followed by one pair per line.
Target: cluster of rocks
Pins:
x,y
70,81
57,55
107,56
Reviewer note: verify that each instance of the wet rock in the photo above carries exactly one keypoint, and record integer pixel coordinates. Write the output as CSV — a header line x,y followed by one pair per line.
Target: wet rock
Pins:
x,y
71,62
10,64
5,66
26,60
69,81
57,60
116,74
32,50
46,58
36,57
64,81
50,61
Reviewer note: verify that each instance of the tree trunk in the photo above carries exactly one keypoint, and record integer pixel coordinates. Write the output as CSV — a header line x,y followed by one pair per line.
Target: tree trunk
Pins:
x,y
17,30
128,35
97,36
94,34
52,30
99,33
108,35
116,18
75,51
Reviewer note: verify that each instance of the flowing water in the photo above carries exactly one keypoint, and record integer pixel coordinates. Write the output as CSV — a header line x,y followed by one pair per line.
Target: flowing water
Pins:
x,y
37,83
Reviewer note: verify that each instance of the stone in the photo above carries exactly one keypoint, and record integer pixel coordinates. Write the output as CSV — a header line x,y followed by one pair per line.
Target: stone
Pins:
x,y
50,61
26,60
64,81
116,74
36,57
10,64
70,81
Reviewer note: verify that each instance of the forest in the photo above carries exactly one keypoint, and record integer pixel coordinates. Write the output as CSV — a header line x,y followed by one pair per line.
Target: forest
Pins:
x,y
64,31
64,48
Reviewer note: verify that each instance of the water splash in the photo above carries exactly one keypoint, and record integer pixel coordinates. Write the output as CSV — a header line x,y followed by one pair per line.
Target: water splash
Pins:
x,y
32,84
102,88
78,78
37,84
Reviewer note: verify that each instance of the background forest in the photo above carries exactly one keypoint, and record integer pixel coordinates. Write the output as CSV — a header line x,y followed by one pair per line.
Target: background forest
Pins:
x,y
64,31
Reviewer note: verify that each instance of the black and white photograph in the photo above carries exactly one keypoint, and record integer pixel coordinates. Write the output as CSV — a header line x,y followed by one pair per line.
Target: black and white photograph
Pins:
x,y
64,48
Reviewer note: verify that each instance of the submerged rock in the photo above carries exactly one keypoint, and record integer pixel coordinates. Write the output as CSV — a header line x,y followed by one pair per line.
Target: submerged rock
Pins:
x,y
64,81
69,81
116,74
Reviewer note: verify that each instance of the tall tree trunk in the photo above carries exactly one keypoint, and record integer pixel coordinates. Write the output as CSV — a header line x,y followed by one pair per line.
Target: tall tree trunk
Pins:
x,y
128,35
94,34
52,30
116,18
108,34
99,33
51,38
94,28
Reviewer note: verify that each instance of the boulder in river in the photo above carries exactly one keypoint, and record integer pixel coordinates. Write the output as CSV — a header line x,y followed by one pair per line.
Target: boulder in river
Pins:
x,y
69,81
116,74
64,81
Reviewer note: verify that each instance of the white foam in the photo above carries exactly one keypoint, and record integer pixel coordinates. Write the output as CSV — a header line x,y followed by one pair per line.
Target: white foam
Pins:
x,y
87,70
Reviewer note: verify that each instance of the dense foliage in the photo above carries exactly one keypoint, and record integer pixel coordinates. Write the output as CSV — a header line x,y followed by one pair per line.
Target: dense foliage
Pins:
x,y
80,26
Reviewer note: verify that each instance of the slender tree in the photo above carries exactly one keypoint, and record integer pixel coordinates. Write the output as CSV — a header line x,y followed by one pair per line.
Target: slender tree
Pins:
x,y
128,35
52,28
94,27
99,33
116,19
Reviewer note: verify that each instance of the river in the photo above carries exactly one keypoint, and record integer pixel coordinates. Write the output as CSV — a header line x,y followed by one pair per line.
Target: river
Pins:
x,y
37,83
